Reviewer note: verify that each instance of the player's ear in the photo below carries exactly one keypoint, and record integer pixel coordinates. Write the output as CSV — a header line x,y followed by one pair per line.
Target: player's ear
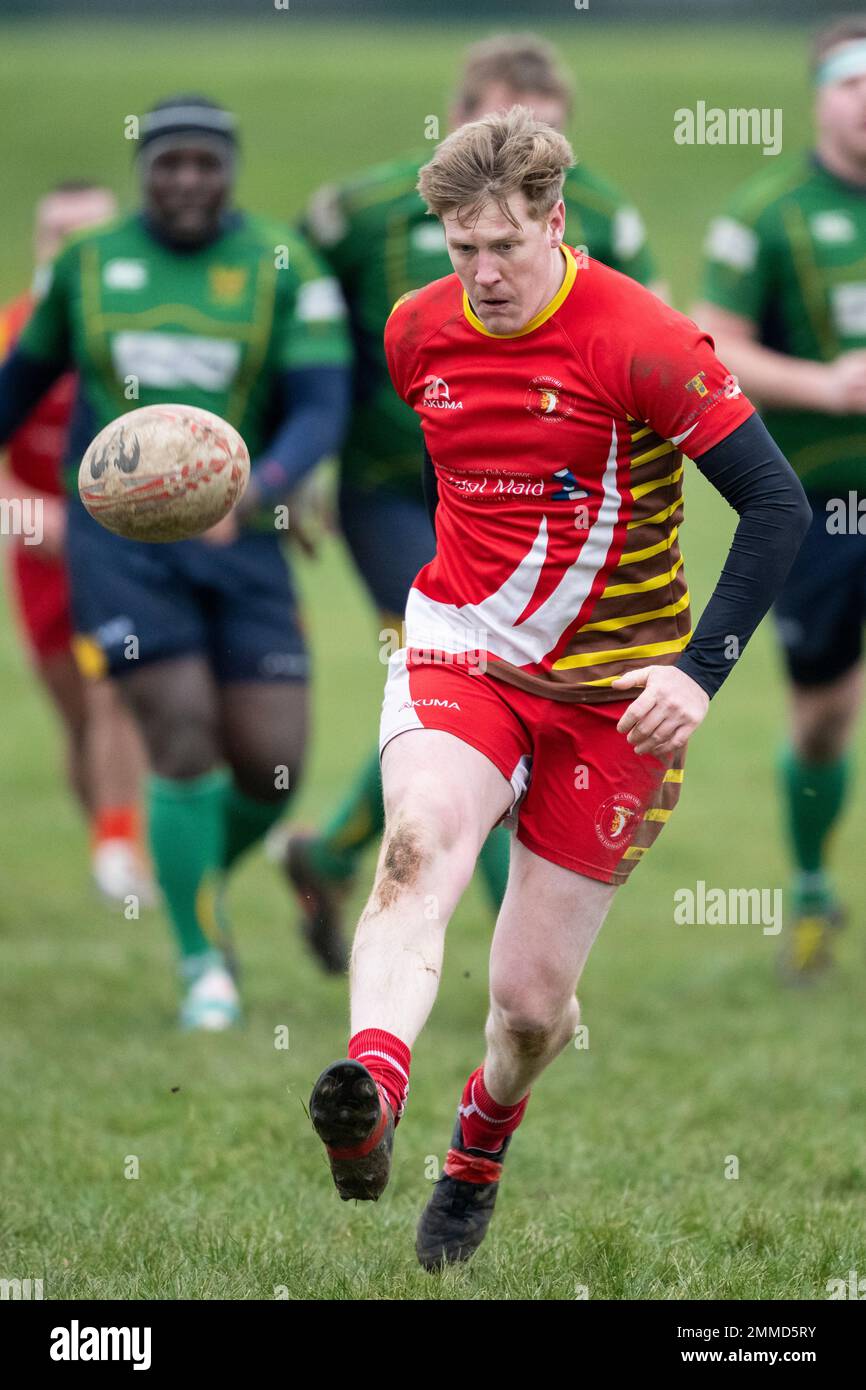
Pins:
x,y
556,223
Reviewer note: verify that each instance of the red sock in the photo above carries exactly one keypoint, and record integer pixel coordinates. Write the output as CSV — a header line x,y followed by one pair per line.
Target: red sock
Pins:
x,y
115,823
485,1123
387,1059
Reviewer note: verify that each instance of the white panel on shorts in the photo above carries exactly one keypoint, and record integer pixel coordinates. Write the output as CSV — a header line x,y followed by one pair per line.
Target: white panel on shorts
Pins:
x,y
398,717
519,784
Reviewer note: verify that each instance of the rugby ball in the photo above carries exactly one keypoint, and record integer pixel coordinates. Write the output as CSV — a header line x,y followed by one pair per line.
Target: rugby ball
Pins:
x,y
163,473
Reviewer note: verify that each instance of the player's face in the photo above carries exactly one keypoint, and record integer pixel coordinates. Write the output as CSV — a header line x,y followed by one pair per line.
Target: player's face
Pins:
x,y
841,115
508,272
186,190
498,97
60,214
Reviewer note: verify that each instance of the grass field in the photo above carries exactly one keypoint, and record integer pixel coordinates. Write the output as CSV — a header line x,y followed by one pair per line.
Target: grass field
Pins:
x,y
616,1182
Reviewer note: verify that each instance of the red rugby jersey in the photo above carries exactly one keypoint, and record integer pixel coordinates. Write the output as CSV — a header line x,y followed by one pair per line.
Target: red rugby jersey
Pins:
x,y
36,450
558,461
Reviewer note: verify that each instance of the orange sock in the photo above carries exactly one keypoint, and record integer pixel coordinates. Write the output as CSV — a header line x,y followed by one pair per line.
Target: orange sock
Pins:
x,y
116,823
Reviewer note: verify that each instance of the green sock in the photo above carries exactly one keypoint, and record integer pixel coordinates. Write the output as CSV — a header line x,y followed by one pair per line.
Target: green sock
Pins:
x,y
357,821
814,796
493,862
246,821
186,837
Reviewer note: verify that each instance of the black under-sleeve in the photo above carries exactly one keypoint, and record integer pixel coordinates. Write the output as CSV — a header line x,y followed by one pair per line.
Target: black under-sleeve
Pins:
x,y
753,475
431,487
315,403
23,382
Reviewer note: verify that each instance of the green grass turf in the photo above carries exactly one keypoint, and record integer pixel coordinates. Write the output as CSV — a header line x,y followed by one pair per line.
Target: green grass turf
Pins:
x,y
617,1181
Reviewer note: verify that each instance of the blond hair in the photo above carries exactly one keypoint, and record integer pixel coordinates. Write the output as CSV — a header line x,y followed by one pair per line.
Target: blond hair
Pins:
x,y
521,62
493,159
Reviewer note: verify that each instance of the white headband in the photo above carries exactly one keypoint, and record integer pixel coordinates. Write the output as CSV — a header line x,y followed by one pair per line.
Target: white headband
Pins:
x,y
844,62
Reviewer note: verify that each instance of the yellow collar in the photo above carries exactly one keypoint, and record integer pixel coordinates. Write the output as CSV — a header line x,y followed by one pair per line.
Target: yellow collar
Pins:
x,y
543,315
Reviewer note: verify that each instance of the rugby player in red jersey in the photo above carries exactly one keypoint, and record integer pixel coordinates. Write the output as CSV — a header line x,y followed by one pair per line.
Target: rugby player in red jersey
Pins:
x,y
551,674
104,757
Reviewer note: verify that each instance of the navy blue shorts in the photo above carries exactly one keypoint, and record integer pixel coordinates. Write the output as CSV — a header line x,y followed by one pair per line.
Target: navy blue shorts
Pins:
x,y
390,538
822,608
233,604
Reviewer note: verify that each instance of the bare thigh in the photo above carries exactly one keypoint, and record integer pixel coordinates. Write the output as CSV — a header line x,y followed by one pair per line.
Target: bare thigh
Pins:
x,y
442,790
547,924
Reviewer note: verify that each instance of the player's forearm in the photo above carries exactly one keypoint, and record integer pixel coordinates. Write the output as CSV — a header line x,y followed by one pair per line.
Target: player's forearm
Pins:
x,y
771,378
752,474
23,382
318,401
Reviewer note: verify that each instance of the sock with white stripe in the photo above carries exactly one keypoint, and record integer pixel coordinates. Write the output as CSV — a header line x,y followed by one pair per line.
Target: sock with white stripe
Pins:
x,y
484,1123
387,1059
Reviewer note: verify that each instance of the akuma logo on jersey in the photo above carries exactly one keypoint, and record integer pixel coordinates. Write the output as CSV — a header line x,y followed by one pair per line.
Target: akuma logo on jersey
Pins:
x,y
617,820
547,399
437,394
429,704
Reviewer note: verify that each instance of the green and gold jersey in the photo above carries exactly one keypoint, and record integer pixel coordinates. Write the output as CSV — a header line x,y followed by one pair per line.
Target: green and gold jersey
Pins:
x,y
143,323
380,241
790,254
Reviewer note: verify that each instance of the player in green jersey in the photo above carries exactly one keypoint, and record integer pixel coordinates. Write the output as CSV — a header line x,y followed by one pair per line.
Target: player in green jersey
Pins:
x,y
189,300
376,235
785,300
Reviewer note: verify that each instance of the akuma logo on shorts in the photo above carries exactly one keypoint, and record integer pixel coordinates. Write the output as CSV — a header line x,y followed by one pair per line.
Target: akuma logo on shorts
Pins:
x,y
617,819
430,704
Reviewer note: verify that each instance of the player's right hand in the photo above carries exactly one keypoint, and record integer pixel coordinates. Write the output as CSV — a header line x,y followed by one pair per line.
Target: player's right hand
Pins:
x,y
845,384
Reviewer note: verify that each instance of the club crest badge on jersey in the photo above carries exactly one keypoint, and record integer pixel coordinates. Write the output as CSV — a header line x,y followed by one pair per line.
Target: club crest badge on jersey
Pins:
x,y
547,399
227,283
617,820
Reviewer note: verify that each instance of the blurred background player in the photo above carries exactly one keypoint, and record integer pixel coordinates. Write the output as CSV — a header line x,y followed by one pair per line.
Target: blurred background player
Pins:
x,y
785,300
190,300
380,242
104,756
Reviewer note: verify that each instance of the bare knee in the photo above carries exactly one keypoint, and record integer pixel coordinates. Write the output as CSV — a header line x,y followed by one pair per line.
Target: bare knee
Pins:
x,y
822,741
405,851
824,717
181,741
187,749
174,705
821,730
439,817
263,726
532,1025
409,848
423,852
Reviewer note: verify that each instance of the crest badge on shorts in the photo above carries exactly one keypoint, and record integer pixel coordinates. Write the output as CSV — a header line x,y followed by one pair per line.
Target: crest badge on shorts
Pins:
x,y
617,820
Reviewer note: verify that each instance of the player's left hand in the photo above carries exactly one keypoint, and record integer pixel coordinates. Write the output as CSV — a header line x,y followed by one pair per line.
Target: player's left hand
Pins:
x,y
662,719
